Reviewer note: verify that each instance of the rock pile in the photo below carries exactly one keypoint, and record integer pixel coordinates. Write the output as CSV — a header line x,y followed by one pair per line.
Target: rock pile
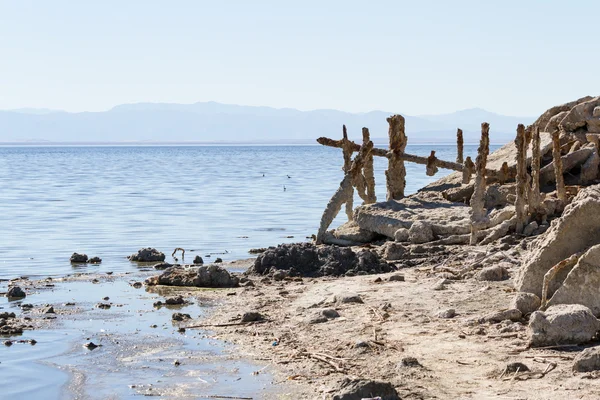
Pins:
x,y
210,276
147,255
308,260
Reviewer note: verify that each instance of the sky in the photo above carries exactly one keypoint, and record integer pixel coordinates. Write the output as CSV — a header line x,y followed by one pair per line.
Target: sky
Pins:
x,y
415,57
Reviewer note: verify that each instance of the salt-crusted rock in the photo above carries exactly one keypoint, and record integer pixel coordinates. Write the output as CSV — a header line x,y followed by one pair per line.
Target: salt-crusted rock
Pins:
x,y
582,284
359,389
420,232
496,195
530,228
493,273
499,316
543,120
352,232
347,298
576,230
582,116
588,360
394,251
147,255
401,235
562,324
526,302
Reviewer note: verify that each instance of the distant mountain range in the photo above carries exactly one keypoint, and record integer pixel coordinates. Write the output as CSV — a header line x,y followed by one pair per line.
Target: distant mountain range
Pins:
x,y
210,122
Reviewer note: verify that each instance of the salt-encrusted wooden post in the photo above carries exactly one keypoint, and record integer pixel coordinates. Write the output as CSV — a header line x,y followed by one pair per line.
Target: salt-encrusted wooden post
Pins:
x,y
368,170
521,144
560,181
459,146
396,173
478,212
534,194
467,171
344,191
431,169
347,149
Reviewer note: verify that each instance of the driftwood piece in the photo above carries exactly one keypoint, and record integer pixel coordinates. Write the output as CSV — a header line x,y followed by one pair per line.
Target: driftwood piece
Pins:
x,y
344,191
534,197
368,171
431,168
521,144
478,212
459,146
558,167
396,173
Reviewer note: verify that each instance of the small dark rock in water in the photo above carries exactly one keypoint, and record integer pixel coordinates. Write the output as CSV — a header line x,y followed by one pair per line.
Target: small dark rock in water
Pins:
x,y
181,330
106,298
137,285
252,316
69,304
90,345
162,265
79,258
16,292
410,362
7,315
198,260
180,317
104,306
516,366
218,260
48,310
176,363
158,303
8,343
306,259
24,307
109,273
359,389
176,300
94,260
147,255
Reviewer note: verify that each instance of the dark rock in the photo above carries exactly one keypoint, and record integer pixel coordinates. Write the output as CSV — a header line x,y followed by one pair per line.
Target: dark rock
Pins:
x,y
90,345
137,285
162,265
147,255
252,316
359,389
588,360
257,251
396,278
279,275
173,301
306,259
180,317
7,315
15,292
410,362
79,258
205,276
103,306
198,260
361,344
94,260
448,313
330,313
516,366
24,307
218,260
48,310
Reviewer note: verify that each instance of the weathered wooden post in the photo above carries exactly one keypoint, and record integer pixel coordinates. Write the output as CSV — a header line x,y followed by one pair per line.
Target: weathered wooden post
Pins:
x,y
431,169
560,181
396,172
467,171
368,170
478,212
344,191
521,144
459,146
534,194
347,149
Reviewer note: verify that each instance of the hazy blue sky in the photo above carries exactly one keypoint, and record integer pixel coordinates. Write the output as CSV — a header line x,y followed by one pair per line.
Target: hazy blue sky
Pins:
x,y
415,57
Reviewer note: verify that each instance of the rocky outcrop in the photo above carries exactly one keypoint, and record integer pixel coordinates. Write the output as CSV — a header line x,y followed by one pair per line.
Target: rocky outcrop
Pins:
x,y
557,111
585,115
211,276
77,258
562,324
147,255
305,259
575,231
581,286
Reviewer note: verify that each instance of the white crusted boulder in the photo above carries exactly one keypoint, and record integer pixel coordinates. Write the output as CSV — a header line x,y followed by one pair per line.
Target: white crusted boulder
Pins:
x,y
562,324
420,232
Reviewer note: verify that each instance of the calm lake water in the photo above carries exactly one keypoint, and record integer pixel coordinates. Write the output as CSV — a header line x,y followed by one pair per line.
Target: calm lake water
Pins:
x,y
109,201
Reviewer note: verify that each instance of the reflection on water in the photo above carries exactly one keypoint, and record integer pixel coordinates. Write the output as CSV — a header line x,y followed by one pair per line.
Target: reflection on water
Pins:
x,y
110,201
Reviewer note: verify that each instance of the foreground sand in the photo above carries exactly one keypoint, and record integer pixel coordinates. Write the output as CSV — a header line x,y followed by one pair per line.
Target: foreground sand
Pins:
x,y
395,335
